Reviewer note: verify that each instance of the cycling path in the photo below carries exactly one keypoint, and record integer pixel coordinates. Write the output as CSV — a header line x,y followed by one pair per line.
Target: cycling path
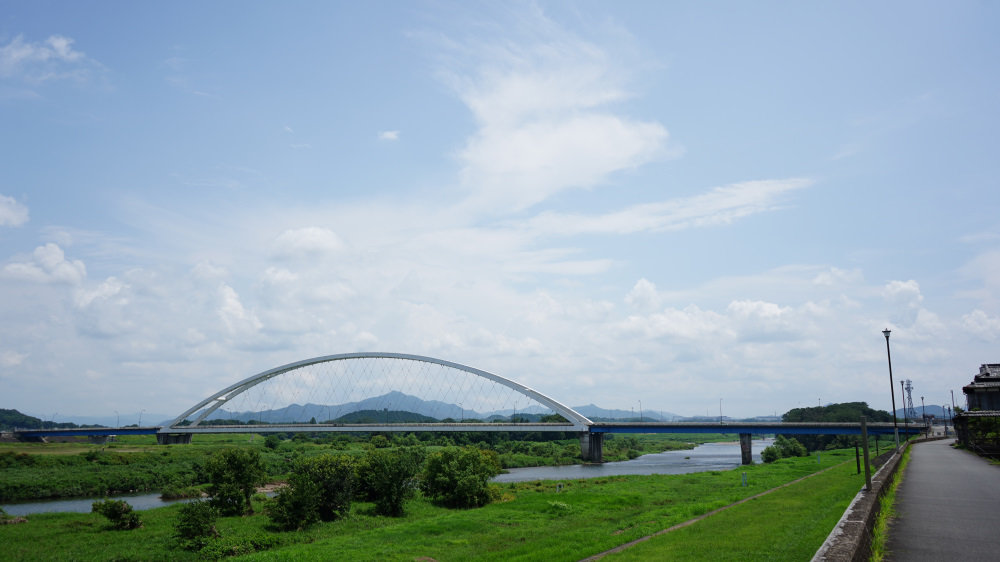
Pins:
x,y
946,506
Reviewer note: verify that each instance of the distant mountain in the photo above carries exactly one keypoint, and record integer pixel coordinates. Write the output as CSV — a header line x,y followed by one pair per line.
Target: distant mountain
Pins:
x,y
592,412
932,410
394,401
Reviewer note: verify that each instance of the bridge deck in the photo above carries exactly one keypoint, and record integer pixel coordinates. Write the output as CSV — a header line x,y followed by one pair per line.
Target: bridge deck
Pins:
x,y
787,428
599,427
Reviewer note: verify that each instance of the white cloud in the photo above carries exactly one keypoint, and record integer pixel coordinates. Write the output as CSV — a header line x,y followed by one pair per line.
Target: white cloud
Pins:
x,y
306,242
12,213
388,135
904,300
239,322
981,325
52,59
643,295
542,130
10,358
48,265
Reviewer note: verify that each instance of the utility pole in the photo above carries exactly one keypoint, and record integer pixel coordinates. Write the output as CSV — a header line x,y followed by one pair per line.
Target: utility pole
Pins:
x,y
892,387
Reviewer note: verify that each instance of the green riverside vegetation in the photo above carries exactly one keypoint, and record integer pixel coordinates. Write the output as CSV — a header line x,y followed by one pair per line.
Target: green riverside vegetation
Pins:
x,y
543,520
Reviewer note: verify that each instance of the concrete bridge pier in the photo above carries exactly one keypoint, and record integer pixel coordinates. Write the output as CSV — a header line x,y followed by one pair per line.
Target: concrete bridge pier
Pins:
x,y
592,446
746,450
173,438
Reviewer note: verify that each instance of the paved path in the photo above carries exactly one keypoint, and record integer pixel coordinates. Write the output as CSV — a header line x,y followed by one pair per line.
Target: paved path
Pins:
x,y
947,507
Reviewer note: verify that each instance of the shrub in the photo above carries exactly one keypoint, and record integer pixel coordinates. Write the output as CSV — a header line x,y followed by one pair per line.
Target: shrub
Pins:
x,y
770,454
272,441
319,487
388,477
783,447
119,513
234,475
196,524
459,477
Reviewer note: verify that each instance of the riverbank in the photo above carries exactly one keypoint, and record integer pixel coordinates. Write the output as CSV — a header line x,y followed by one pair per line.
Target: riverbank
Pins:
x,y
541,520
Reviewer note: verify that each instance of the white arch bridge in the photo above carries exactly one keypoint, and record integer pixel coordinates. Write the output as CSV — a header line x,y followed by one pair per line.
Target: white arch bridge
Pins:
x,y
380,392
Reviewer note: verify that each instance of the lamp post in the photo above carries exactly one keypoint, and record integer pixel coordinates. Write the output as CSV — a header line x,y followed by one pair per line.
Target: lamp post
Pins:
x,y
892,387
906,419
923,412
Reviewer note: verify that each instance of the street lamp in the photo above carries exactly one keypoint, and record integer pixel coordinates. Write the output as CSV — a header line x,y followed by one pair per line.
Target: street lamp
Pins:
x,y
923,412
892,387
906,419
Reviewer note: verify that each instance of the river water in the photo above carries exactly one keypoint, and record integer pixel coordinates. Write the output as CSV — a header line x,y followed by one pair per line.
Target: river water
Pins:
x,y
710,456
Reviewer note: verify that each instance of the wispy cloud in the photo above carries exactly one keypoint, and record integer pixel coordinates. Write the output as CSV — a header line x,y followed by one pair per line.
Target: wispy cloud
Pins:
x,y
388,135
51,59
722,205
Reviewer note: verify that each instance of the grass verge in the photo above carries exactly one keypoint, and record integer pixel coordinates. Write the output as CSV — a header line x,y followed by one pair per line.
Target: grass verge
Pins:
x,y
880,532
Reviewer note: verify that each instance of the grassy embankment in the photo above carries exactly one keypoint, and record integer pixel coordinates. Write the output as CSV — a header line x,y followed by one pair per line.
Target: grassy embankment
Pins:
x,y
31,471
533,521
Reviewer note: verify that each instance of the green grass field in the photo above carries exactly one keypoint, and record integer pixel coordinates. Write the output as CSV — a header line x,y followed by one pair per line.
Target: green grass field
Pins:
x,y
533,521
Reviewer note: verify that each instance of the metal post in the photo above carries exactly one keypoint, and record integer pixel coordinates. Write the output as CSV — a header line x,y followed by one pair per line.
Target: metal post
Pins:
x,y
944,414
892,387
923,412
857,457
864,438
906,421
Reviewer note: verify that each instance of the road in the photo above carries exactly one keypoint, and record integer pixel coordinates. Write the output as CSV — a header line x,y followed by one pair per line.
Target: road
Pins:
x,y
946,507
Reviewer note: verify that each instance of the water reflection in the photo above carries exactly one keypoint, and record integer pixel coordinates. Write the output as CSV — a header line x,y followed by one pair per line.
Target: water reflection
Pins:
x,y
138,502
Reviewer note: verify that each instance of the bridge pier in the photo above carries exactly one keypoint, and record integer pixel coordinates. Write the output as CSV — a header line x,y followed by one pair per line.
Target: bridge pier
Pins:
x,y
592,447
173,438
746,449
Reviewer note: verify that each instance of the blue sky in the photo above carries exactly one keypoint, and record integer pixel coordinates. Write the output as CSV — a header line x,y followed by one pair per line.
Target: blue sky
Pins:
x,y
607,202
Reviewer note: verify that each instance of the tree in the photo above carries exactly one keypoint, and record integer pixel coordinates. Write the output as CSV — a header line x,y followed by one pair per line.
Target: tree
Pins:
x,y
119,513
319,487
196,524
459,477
388,477
234,475
843,412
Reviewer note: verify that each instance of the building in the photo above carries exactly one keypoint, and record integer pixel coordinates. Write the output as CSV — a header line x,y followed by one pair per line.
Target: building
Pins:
x,y
983,393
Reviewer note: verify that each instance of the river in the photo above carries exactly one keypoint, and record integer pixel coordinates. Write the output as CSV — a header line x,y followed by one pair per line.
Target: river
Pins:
x,y
710,456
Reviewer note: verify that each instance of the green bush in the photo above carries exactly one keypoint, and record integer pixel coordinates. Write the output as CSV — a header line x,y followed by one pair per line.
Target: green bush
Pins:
x,y
320,487
195,524
234,475
770,454
388,477
459,477
119,513
783,447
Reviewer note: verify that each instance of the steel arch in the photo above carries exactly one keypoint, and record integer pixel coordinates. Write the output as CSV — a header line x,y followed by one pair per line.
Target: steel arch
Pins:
x,y
216,400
